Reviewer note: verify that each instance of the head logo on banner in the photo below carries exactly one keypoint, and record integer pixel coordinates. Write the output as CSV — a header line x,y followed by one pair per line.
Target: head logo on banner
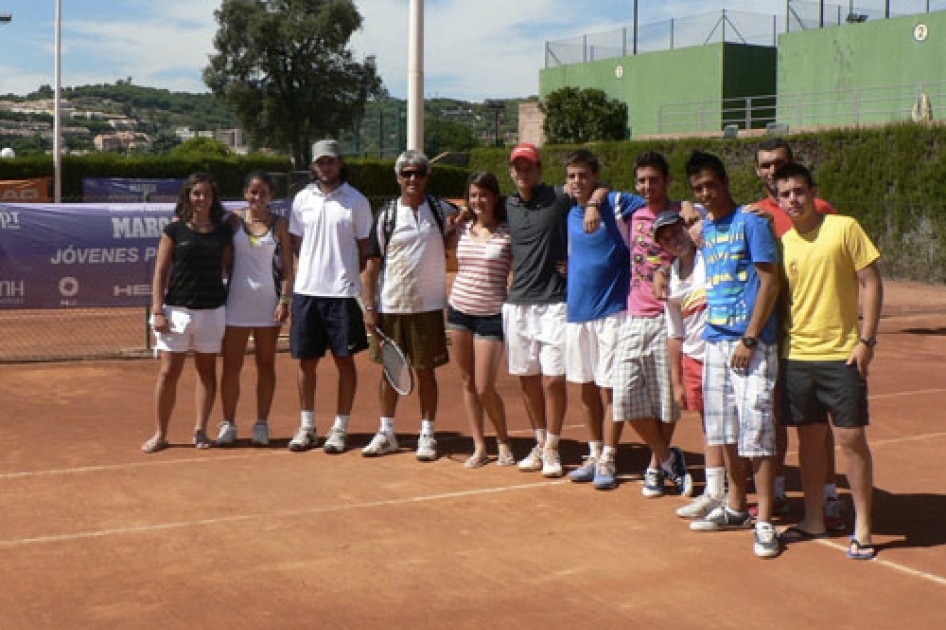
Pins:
x,y
26,190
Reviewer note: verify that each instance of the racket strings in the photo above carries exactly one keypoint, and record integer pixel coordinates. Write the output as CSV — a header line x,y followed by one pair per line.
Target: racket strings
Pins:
x,y
396,367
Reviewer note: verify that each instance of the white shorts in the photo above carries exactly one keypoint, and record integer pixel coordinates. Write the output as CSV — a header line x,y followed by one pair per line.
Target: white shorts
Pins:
x,y
739,405
535,338
589,349
200,330
643,381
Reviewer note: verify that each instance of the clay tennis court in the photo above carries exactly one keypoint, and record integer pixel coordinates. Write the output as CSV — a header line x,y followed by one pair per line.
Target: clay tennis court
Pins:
x,y
94,534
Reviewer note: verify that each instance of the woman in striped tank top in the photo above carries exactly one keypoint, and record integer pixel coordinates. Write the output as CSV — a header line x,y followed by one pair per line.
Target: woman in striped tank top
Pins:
x,y
484,257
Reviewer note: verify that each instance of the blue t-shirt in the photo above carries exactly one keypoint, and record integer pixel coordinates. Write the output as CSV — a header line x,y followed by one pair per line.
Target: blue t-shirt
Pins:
x,y
734,244
599,263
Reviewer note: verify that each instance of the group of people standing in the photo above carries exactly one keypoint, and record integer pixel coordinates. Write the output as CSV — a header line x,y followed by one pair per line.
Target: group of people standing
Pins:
x,y
650,306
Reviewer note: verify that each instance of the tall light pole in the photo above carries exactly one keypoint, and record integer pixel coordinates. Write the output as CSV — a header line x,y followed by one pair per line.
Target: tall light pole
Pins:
x,y
415,78
57,117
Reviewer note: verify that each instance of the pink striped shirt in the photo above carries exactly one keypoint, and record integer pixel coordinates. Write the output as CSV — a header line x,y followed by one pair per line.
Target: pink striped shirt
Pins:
x,y
482,272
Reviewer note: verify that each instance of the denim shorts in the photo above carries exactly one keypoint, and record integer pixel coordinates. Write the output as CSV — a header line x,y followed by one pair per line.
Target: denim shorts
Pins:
x,y
483,327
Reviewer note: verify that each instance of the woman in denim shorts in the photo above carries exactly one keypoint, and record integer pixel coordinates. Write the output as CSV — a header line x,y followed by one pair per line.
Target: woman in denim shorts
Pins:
x,y
484,257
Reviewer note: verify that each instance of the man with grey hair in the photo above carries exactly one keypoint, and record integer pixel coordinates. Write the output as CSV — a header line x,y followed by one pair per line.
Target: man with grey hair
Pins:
x,y
329,224
405,295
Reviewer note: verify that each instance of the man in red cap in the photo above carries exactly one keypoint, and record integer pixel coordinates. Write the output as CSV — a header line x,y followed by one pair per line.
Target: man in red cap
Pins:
x,y
535,312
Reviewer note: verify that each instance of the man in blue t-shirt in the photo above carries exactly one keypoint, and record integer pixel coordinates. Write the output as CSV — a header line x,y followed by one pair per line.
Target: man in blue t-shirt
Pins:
x,y
598,283
741,362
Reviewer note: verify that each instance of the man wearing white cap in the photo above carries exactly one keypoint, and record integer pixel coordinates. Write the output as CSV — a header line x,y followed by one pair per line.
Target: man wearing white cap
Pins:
x,y
330,223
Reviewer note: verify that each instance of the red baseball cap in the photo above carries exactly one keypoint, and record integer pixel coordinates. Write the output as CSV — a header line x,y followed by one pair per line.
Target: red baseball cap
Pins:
x,y
527,151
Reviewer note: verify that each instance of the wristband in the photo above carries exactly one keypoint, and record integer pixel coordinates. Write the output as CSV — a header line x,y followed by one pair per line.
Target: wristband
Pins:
x,y
285,300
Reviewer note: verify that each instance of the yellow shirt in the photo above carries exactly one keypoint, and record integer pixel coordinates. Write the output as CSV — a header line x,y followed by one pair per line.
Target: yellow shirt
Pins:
x,y
821,266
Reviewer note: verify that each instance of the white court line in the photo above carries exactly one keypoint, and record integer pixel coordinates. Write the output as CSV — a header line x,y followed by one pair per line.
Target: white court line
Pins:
x,y
918,392
17,542
929,577
132,465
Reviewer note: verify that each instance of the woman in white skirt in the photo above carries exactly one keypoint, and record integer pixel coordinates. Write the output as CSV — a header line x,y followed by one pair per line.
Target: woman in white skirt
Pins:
x,y
258,303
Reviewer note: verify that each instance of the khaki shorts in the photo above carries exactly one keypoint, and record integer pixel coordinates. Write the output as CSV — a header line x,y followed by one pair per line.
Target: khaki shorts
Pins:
x,y
421,336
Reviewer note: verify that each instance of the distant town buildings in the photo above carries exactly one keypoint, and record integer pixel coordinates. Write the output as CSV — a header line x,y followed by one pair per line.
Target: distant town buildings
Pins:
x,y
124,139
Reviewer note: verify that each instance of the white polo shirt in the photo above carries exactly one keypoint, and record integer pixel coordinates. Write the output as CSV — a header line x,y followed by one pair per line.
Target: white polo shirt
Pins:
x,y
330,226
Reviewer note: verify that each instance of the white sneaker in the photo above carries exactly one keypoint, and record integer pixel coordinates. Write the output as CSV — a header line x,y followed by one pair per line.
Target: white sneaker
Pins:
x,y
766,543
381,444
699,508
261,434
335,441
303,440
533,461
426,448
551,463
227,434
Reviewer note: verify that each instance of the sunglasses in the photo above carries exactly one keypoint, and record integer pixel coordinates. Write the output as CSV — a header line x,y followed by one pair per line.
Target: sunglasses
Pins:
x,y
418,173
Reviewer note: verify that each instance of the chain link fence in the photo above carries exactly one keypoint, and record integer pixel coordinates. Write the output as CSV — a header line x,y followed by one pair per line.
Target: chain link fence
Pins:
x,y
724,26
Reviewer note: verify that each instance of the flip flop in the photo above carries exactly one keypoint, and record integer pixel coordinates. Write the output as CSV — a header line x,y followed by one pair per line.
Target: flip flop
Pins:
x,y
796,534
154,445
861,551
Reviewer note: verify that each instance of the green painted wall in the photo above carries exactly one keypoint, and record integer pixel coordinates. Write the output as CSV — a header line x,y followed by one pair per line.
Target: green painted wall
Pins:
x,y
749,71
844,66
692,80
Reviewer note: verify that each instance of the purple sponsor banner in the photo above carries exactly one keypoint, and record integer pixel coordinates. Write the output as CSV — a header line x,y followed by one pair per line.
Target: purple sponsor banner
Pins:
x,y
80,255
131,190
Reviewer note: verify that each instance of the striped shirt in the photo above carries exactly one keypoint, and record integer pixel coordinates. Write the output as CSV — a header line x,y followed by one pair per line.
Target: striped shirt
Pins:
x,y
482,272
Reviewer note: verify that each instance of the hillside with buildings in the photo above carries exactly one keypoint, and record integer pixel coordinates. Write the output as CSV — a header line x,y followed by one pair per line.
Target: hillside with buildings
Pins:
x,y
128,118
122,118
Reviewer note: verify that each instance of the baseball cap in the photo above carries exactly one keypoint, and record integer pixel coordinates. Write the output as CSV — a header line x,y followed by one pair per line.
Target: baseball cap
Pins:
x,y
666,219
527,151
326,148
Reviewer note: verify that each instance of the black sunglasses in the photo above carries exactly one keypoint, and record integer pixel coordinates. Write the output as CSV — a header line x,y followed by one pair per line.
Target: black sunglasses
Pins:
x,y
414,173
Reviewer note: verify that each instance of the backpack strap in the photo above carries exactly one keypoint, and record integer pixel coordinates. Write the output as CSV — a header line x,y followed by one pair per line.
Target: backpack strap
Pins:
x,y
437,210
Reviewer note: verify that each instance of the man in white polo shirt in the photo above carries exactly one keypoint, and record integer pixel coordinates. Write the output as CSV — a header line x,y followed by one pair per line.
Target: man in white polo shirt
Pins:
x,y
330,223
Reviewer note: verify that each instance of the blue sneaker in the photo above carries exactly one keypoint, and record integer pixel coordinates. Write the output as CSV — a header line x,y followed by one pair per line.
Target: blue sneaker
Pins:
x,y
653,484
604,475
680,476
586,472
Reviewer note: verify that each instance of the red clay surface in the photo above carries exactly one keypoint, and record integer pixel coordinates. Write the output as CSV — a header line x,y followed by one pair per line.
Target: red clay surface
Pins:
x,y
94,534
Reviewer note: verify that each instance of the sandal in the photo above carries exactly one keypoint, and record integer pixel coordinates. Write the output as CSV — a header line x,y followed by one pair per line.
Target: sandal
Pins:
x,y
154,445
861,551
201,441
476,461
796,534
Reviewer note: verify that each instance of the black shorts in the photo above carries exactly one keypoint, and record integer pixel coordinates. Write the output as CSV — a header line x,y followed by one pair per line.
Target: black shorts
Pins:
x,y
483,327
814,389
325,323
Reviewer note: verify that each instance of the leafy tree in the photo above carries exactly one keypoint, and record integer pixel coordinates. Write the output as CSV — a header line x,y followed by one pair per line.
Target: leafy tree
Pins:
x,y
284,67
201,146
574,116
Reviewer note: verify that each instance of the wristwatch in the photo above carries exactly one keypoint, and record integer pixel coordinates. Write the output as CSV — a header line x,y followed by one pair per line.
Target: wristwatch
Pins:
x,y
750,342
870,342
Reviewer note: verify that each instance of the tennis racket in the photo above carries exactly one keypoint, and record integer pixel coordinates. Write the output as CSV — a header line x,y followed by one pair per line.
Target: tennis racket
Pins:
x,y
396,367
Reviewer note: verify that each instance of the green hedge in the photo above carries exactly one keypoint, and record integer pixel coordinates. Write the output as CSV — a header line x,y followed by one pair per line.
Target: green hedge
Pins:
x,y
891,178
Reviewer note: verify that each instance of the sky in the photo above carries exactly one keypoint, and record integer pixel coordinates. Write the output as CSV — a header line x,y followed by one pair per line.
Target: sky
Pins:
x,y
474,49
